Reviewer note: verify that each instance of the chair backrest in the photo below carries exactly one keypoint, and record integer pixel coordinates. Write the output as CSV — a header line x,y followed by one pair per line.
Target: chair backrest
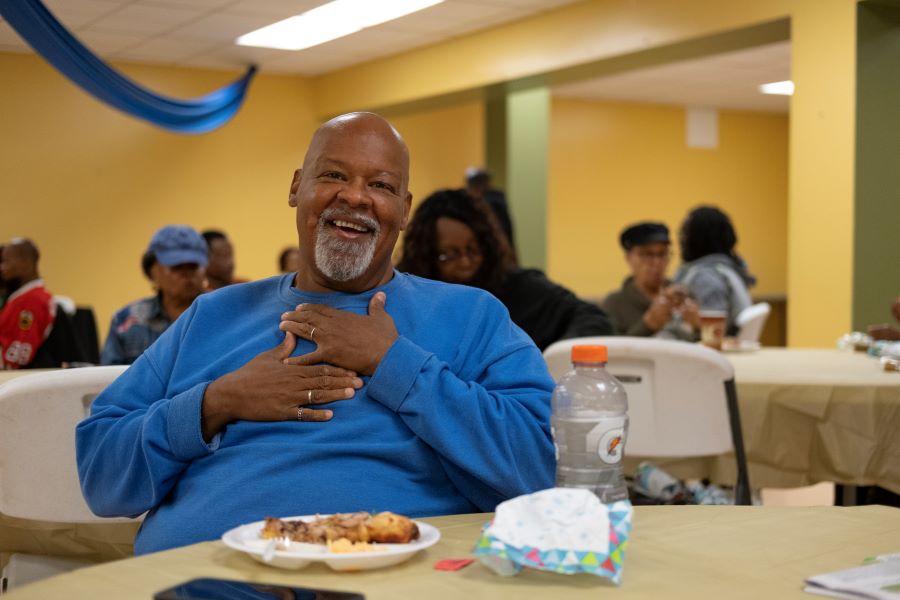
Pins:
x,y
61,346
677,403
751,321
38,415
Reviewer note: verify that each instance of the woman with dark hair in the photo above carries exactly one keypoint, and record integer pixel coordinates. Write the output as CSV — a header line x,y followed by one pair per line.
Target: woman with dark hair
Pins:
x,y
455,238
712,272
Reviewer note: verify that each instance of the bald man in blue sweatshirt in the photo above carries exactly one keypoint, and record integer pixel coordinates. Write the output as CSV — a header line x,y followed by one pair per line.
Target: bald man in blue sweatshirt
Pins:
x,y
345,386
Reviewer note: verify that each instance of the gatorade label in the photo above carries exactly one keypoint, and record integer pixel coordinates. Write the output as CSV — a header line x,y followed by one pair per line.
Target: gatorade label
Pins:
x,y
608,437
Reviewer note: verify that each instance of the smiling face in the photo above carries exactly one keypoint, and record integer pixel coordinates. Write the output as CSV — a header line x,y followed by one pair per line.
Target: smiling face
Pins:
x,y
352,202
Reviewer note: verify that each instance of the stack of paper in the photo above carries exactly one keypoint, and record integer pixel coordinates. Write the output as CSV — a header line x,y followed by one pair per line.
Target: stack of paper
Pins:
x,y
879,580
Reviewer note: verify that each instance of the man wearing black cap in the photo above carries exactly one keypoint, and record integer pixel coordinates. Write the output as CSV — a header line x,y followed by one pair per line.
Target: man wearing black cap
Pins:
x,y
646,302
175,262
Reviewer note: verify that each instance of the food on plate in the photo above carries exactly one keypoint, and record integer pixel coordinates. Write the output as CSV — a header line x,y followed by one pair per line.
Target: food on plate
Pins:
x,y
358,527
345,546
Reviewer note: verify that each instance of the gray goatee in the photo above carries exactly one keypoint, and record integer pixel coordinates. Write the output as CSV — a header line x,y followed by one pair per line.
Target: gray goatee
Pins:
x,y
344,260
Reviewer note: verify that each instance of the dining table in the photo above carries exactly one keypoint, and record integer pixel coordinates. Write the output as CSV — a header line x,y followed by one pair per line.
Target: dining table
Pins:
x,y
9,374
807,416
674,552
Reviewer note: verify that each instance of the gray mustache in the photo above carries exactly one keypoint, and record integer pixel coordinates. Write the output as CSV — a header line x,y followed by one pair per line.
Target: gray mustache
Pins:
x,y
330,214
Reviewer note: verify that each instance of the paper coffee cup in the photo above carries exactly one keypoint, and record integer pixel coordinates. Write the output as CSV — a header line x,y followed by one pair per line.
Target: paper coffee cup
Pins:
x,y
712,328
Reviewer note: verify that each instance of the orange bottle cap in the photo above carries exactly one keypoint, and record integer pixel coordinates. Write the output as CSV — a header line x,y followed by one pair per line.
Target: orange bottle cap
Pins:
x,y
590,354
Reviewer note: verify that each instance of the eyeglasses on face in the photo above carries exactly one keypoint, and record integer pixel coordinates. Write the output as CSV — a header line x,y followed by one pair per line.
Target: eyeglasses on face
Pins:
x,y
647,255
452,256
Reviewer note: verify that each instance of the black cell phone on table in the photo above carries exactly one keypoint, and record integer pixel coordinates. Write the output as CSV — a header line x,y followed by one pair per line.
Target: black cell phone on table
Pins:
x,y
225,589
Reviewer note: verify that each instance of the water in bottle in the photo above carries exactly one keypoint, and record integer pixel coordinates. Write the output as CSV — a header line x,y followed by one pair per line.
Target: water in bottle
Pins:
x,y
590,425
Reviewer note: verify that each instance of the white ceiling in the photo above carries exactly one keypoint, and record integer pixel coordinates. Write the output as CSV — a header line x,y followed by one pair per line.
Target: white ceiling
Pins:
x,y
724,81
201,33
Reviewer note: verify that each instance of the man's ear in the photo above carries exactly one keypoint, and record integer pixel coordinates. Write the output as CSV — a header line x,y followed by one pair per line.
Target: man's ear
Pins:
x,y
406,209
295,185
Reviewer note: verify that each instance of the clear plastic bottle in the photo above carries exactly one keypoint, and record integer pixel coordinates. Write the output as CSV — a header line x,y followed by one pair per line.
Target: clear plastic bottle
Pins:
x,y
590,426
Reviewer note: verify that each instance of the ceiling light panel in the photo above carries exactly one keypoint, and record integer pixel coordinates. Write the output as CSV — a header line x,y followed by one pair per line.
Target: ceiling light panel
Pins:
x,y
329,22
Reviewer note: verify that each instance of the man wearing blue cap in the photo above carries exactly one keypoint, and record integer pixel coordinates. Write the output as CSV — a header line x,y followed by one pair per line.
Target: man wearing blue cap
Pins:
x,y
175,262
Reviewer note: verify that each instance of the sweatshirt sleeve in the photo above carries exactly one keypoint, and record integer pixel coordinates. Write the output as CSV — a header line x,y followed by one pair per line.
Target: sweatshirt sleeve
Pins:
x,y
639,329
138,439
490,429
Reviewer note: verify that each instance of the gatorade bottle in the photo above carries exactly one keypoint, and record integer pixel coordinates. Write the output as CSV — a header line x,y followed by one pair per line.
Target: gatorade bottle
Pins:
x,y
589,426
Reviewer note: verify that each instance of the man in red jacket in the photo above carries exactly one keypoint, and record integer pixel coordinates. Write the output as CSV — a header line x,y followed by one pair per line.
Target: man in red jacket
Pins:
x,y
27,317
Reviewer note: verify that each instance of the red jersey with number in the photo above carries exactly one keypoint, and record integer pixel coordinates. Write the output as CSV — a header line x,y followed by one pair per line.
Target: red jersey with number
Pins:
x,y
25,322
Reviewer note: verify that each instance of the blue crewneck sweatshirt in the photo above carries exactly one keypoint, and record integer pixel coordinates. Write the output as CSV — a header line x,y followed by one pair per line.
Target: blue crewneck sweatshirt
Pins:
x,y
455,419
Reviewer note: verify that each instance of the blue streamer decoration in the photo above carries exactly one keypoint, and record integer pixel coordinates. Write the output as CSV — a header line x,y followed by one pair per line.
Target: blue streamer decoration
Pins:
x,y
48,37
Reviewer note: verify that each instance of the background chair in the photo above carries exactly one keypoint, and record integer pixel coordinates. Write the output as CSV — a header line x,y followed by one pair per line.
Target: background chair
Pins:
x,y
73,341
751,321
682,400
38,477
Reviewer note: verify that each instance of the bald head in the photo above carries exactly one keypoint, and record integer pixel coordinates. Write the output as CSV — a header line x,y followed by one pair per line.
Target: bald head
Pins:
x,y
19,261
358,125
25,248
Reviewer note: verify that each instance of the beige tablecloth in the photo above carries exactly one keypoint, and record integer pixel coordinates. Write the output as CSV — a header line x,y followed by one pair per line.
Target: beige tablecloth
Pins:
x,y
810,416
675,552
13,373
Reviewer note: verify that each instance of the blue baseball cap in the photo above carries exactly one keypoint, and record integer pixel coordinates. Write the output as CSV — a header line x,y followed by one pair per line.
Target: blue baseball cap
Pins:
x,y
179,244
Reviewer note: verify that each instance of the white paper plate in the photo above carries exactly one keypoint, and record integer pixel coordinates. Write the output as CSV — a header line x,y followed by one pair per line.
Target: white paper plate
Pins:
x,y
245,538
740,346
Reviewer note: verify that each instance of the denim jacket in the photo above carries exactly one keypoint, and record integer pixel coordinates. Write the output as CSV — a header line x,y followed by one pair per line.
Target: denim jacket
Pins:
x,y
133,329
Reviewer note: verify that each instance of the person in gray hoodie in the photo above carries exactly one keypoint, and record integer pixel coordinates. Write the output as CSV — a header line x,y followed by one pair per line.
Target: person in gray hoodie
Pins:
x,y
713,274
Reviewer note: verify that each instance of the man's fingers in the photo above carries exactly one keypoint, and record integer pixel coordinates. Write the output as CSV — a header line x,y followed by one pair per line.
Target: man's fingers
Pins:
x,y
305,330
312,414
327,371
376,304
334,383
317,396
313,358
304,312
287,345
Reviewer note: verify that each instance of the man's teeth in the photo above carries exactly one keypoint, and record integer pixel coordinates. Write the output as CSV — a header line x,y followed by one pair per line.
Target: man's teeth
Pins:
x,y
349,225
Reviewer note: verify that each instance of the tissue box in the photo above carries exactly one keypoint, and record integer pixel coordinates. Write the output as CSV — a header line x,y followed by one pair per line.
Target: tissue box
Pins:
x,y
560,530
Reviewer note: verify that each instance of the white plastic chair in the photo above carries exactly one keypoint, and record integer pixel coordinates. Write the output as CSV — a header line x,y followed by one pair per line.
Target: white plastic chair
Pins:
x,y
38,476
682,400
751,321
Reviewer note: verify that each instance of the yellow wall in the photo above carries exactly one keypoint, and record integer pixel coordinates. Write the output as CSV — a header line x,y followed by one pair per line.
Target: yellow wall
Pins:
x,y
90,185
612,164
823,142
821,165
442,143
58,143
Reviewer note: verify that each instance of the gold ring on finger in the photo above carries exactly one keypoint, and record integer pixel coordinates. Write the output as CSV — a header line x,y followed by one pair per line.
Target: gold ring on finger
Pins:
x,y
309,396
300,413
312,334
